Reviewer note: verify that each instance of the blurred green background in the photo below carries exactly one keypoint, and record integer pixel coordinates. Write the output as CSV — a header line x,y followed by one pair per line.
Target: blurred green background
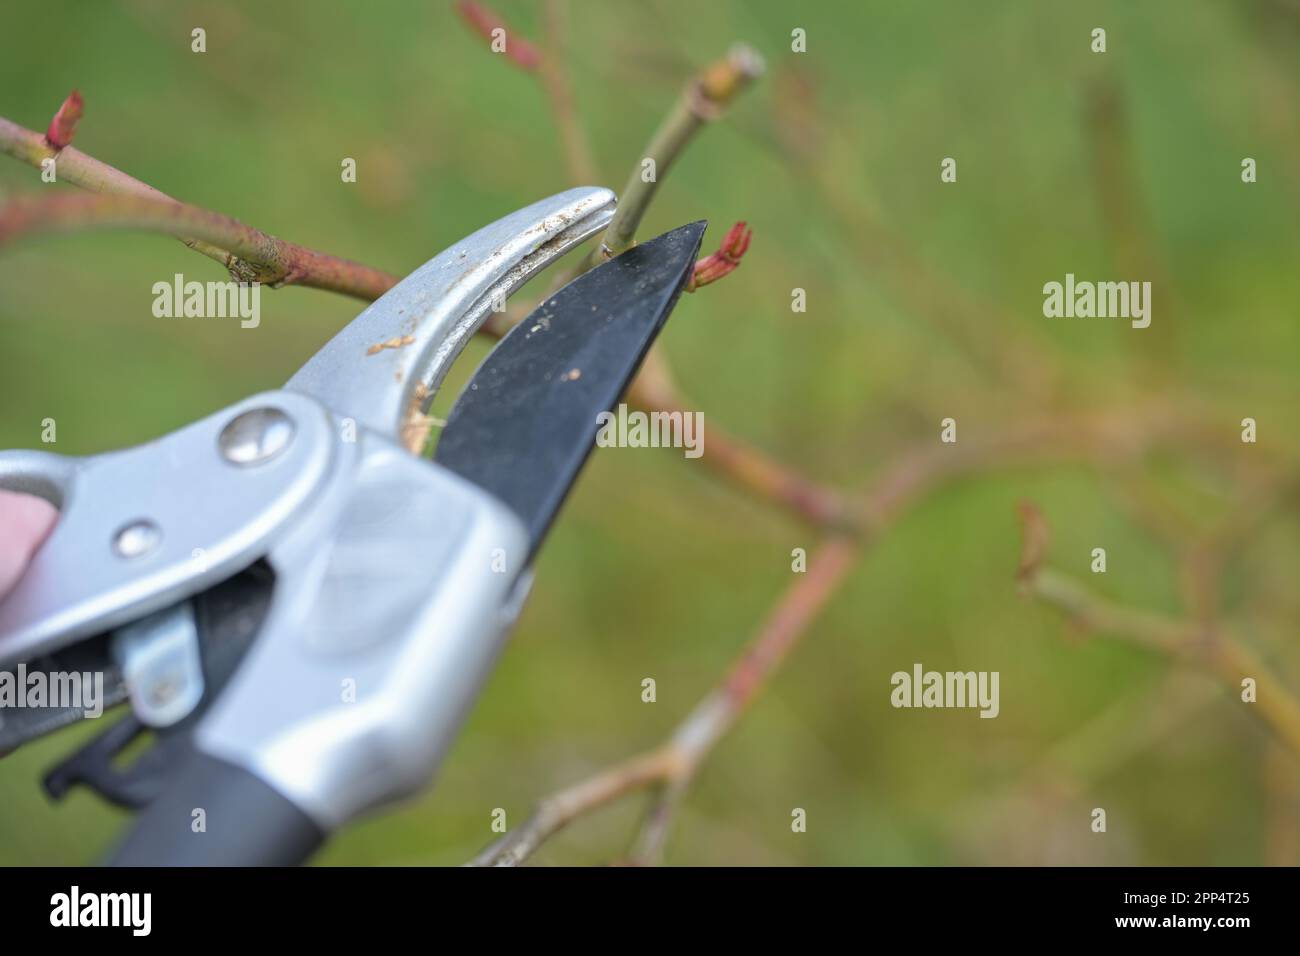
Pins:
x,y
1068,161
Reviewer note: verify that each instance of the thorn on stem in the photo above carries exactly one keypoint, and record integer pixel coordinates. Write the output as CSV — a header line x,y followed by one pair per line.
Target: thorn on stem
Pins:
x,y
723,262
64,124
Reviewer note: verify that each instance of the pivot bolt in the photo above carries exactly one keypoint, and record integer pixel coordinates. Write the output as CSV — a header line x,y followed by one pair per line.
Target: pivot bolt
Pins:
x,y
137,539
255,436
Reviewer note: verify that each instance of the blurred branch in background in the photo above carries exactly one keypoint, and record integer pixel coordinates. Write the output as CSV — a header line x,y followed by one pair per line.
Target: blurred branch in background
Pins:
x,y
669,768
1123,209
906,480
929,294
559,90
551,66
1059,786
487,24
1282,812
1217,649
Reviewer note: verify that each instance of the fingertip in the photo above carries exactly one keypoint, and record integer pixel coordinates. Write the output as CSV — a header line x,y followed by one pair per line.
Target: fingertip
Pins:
x,y
25,521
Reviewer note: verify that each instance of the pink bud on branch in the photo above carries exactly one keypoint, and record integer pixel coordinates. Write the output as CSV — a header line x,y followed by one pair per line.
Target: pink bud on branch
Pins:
x,y
64,124
485,21
723,262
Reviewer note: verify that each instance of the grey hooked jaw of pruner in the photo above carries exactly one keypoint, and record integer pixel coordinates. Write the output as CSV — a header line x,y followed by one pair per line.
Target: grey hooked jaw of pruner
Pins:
x,y
298,608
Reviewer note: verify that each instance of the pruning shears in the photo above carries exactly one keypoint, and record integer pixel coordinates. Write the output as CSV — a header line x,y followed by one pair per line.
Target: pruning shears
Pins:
x,y
298,608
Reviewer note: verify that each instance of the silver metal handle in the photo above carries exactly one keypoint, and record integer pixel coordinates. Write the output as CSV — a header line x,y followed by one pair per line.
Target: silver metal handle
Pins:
x,y
393,356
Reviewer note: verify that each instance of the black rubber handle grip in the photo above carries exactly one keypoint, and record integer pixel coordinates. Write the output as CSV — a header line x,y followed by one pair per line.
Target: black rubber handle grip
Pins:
x,y
214,813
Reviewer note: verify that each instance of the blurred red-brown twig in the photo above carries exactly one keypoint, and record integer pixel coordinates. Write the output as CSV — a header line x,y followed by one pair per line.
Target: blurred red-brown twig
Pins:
x,y
492,28
672,765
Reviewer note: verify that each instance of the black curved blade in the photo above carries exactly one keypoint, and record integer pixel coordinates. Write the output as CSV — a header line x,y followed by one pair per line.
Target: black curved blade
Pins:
x,y
527,420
